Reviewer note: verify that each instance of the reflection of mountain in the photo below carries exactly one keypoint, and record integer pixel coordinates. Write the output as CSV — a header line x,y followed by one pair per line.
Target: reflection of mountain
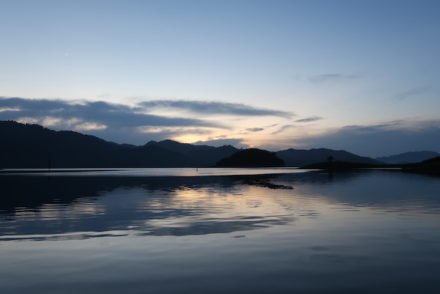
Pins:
x,y
251,158
179,206
408,157
60,205
300,157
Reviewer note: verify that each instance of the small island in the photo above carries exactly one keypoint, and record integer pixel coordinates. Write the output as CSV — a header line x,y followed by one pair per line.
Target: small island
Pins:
x,y
252,157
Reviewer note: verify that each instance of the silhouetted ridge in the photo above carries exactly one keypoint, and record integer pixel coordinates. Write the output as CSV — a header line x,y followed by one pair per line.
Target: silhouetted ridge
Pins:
x,y
339,165
430,166
33,146
251,158
301,157
198,155
408,157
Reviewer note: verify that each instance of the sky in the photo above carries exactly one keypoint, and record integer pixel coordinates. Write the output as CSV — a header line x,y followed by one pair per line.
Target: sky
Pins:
x,y
357,75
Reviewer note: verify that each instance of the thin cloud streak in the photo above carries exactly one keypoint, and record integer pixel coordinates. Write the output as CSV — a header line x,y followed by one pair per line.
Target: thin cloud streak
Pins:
x,y
116,122
236,142
309,119
330,77
116,115
411,93
211,107
282,129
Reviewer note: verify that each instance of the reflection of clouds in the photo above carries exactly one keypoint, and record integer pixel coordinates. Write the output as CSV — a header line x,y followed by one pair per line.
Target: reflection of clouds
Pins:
x,y
179,211
54,211
181,206
87,208
207,210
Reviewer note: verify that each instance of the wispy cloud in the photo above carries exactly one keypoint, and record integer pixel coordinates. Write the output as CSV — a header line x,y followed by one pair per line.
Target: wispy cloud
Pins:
x,y
330,77
9,109
236,142
211,107
308,119
411,93
282,129
118,122
255,129
102,112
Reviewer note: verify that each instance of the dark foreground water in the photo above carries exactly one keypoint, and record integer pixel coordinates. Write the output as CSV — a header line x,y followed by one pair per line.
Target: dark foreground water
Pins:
x,y
366,232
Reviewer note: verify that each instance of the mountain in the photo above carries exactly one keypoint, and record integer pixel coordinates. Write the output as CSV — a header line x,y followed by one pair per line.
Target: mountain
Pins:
x,y
301,157
252,157
198,155
430,166
408,157
33,146
339,165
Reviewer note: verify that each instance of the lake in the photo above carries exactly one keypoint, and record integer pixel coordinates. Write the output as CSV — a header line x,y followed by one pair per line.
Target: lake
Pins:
x,y
218,231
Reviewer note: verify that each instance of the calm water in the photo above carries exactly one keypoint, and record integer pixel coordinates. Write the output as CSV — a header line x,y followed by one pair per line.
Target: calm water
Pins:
x,y
365,232
151,172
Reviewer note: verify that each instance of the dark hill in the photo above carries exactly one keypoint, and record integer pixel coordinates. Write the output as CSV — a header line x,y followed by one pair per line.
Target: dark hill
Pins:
x,y
251,158
198,155
33,146
339,165
408,157
301,157
430,166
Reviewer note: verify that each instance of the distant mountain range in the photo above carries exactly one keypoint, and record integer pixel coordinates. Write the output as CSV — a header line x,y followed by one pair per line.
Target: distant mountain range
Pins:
x,y
33,146
408,157
300,157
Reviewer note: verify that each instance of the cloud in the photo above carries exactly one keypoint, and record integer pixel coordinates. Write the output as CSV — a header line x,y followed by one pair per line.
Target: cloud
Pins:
x,y
282,129
410,93
255,129
72,123
270,126
330,77
211,107
113,121
102,112
379,139
175,130
236,142
161,133
8,109
308,119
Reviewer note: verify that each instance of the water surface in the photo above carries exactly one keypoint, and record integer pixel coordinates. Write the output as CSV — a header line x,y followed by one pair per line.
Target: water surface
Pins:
x,y
359,232
151,172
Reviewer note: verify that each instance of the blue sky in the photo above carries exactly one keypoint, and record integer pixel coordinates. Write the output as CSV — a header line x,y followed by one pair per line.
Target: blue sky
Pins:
x,y
319,69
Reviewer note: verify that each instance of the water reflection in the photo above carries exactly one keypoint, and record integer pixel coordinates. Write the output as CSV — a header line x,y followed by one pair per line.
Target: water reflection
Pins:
x,y
172,206
38,208
369,232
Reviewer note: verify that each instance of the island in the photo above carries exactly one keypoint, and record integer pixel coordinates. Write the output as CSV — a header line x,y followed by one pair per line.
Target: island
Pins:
x,y
251,157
